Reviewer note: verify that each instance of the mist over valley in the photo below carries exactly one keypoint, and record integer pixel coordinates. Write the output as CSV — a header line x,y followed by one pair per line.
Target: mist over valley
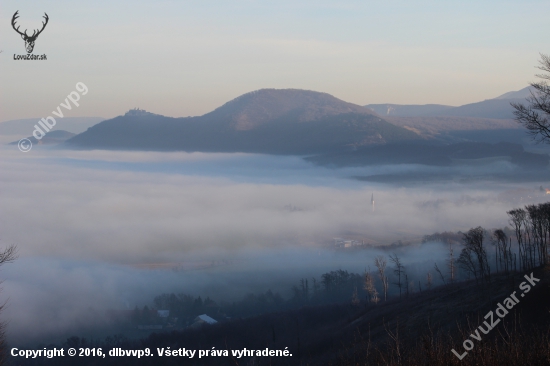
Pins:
x,y
123,227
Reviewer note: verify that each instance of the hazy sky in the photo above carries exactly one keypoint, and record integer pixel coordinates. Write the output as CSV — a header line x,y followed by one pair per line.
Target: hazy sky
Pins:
x,y
182,58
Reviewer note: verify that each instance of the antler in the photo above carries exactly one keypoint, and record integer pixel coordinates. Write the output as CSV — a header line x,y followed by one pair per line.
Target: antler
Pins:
x,y
43,25
34,34
15,16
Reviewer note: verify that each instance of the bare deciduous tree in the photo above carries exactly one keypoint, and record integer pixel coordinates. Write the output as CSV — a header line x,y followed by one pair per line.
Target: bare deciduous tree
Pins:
x,y
473,257
517,219
467,263
440,274
380,263
8,255
474,239
536,115
369,286
503,257
398,270
451,263
532,229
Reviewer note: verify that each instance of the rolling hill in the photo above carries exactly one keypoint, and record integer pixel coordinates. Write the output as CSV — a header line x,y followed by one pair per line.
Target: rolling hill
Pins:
x,y
54,137
274,121
24,127
496,108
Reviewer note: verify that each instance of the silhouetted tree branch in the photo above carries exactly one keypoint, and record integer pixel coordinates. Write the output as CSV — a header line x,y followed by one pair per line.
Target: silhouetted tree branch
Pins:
x,y
8,255
399,268
536,115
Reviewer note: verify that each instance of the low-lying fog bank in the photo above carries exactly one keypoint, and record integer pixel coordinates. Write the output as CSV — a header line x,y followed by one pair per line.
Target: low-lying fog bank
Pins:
x,y
90,225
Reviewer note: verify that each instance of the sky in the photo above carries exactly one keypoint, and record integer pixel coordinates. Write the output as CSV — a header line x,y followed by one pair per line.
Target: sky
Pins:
x,y
181,58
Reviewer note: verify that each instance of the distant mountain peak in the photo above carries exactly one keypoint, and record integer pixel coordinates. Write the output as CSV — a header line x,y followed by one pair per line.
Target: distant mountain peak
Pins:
x,y
278,121
255,108
496,108
522,93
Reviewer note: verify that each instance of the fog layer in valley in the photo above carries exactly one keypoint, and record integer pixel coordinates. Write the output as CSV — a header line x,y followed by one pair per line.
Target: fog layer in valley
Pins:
x,y
98,230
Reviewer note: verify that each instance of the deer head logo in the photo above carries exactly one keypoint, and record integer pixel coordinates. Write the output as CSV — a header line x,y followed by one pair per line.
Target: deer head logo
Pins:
x,y
29,40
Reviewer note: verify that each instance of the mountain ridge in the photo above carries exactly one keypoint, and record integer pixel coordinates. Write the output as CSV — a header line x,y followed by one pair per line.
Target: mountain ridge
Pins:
x,y
254,108
496,108
275,121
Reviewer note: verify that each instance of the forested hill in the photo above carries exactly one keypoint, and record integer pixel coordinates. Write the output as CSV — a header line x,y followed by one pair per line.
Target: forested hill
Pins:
x,y
274,121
